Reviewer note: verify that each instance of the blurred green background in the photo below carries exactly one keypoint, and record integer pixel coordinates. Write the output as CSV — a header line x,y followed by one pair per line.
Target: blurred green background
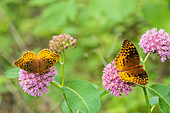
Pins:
x,y
100,28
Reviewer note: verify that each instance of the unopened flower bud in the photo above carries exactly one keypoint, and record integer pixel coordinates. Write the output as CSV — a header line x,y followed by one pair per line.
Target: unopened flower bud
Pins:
x,y
59,51
55,49
65,46
71,43
51,41
62,41
61,44
51,48
71,38
61,48
67,38
50,45
75,40
54,38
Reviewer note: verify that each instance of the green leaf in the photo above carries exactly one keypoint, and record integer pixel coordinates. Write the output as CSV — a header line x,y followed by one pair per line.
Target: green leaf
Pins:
x,y
96,86
153,101
163,92
82,96
12,73
65,107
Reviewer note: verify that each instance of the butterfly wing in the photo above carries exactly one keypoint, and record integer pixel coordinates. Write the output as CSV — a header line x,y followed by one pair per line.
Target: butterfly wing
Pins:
x,y
47,59
138,76
128,57
28,62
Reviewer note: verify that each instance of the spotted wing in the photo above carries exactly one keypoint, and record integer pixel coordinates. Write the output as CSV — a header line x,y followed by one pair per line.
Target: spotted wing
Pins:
x,y
28,62
138,76
47,59
128,57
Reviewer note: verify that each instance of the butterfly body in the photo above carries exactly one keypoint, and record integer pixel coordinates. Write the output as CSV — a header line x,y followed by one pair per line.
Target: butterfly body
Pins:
x,y
127,62
32,63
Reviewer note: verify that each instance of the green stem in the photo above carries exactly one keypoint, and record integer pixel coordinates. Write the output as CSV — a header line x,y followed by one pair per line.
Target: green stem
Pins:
x,y
60,87
104,92
62,82
146,99
63,60
67,103
57,84
147,56
144,87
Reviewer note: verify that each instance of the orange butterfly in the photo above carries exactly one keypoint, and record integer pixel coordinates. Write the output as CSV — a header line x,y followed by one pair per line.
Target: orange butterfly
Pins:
x,y
33,64
127,62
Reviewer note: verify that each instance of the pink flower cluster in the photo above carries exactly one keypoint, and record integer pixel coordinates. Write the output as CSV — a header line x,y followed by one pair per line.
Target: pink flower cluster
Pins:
x,y
113,83
153,41
34,84
62,41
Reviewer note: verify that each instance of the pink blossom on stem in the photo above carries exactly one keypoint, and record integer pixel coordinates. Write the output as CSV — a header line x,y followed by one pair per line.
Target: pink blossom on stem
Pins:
x,y
113,83
34,84
153,41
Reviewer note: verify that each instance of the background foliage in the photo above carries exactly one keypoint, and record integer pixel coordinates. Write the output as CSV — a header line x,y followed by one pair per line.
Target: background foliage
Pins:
x,y
100,28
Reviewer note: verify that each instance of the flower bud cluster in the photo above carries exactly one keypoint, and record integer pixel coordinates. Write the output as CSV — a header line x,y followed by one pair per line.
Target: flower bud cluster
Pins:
x,y
61,42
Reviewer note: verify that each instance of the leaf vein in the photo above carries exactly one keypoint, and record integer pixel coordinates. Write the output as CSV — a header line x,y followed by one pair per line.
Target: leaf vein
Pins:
x,y
159,95
80,98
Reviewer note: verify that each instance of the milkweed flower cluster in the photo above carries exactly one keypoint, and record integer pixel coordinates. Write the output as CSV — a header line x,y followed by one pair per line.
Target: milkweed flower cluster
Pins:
x,y
34,84
62,41
153,41
113,83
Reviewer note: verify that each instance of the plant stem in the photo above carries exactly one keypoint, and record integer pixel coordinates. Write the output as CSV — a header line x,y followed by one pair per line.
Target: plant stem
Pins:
x,y
144,87
146,99
62,83
147,56
63,60
104,92
60,87
57,84
67,103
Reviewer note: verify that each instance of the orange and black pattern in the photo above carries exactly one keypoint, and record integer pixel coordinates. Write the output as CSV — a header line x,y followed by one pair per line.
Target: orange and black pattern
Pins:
x,y
127,62
33,64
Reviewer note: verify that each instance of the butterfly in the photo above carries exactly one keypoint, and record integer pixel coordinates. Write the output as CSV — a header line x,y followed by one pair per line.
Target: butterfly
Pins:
x,y
32,63
127,62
